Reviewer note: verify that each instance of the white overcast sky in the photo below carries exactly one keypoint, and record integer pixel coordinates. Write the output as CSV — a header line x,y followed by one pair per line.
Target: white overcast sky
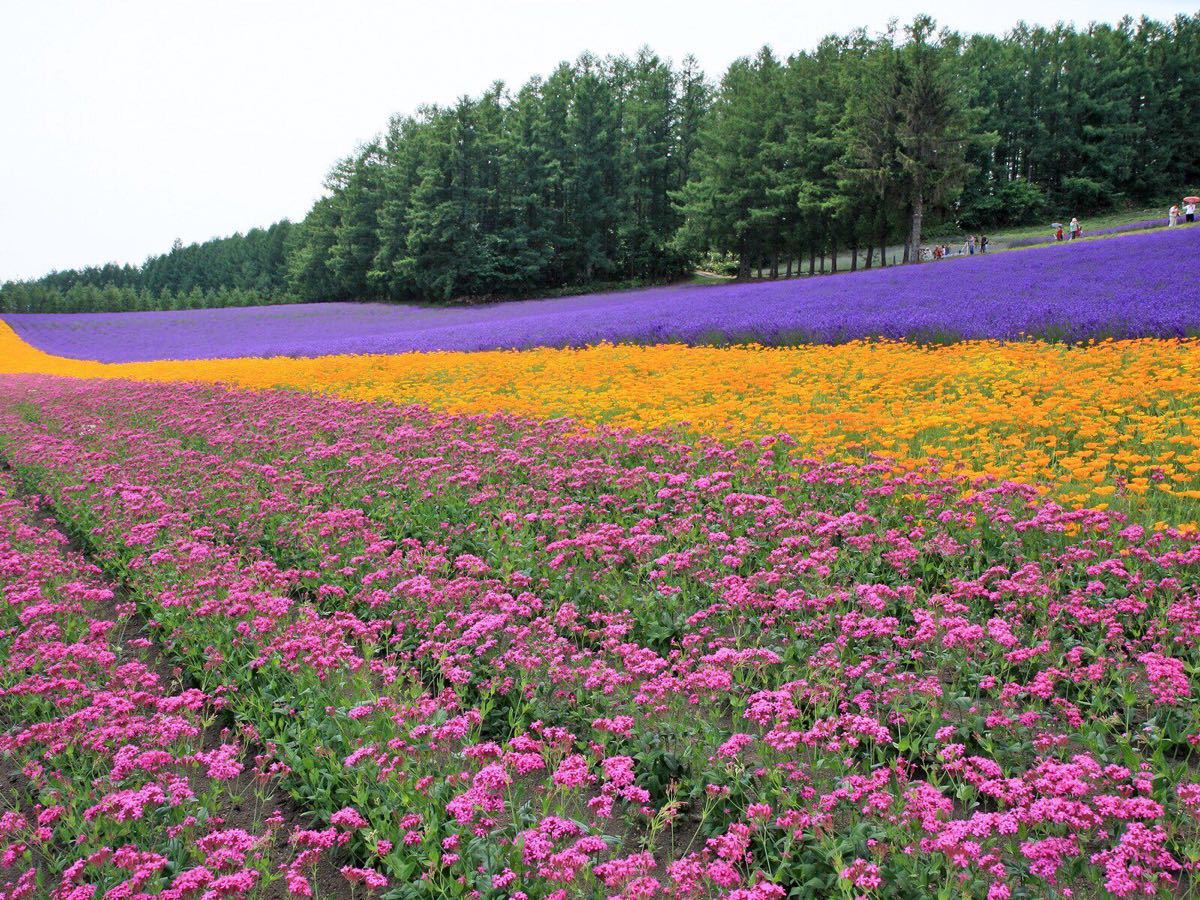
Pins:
x,y
129,123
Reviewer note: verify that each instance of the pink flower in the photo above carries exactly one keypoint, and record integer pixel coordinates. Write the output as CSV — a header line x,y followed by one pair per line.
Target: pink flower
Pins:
x,y
862,874
348,818
573,772
369,877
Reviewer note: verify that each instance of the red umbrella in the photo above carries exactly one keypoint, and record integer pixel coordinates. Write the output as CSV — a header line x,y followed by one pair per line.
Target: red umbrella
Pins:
x,y
1191,199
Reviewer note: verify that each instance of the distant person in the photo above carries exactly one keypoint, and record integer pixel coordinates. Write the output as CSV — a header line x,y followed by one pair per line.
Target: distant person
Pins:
x,y
1076,230
983,242
1173,217
1189,211
971,245
1058,235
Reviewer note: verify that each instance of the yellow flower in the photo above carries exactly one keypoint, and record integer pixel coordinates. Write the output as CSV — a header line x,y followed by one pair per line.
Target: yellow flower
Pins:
x,y
1084,419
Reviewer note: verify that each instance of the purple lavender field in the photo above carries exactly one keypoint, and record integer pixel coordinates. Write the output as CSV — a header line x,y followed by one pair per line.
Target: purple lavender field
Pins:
x,y
1135,286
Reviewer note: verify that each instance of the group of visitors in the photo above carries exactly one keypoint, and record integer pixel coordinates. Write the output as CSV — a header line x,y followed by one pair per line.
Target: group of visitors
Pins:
x,y
1069,232
969,247
1075,230
1189,212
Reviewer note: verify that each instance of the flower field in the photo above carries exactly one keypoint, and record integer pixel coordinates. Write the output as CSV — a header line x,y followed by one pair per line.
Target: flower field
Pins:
x,y
862,619
502,657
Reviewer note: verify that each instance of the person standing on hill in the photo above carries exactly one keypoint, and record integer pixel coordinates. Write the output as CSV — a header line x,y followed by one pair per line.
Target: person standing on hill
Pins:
x,y
1189,211
1173,216
1076,231
983,243
1058,235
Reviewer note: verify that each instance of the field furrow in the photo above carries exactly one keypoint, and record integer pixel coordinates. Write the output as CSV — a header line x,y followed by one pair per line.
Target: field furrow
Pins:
x,y
117,779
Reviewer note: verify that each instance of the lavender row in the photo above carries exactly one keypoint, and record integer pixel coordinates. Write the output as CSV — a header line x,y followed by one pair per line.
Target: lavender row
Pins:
x,y
1138,286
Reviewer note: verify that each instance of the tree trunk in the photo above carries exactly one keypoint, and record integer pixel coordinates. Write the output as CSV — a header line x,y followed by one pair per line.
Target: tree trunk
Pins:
x,y
812,261
854,256
870,253
744,265
775,264
833,250
914,236
822,262
789,265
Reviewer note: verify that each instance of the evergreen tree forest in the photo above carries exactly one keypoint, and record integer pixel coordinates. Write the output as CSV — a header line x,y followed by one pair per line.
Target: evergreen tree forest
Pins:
x,y
241,270
635,170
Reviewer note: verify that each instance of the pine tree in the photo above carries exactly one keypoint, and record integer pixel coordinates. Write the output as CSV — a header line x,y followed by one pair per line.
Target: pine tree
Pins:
x,y
932,137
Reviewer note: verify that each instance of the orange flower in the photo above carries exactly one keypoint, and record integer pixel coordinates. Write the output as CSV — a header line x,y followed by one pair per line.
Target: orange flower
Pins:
x,y
1122,416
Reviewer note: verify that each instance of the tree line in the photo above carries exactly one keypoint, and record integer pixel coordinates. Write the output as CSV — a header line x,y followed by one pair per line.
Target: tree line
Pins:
x,y
240,270
865,140
566,181
33,297
634,169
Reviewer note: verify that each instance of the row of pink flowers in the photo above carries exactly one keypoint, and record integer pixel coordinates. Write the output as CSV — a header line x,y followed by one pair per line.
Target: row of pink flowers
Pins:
x,y
115,793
